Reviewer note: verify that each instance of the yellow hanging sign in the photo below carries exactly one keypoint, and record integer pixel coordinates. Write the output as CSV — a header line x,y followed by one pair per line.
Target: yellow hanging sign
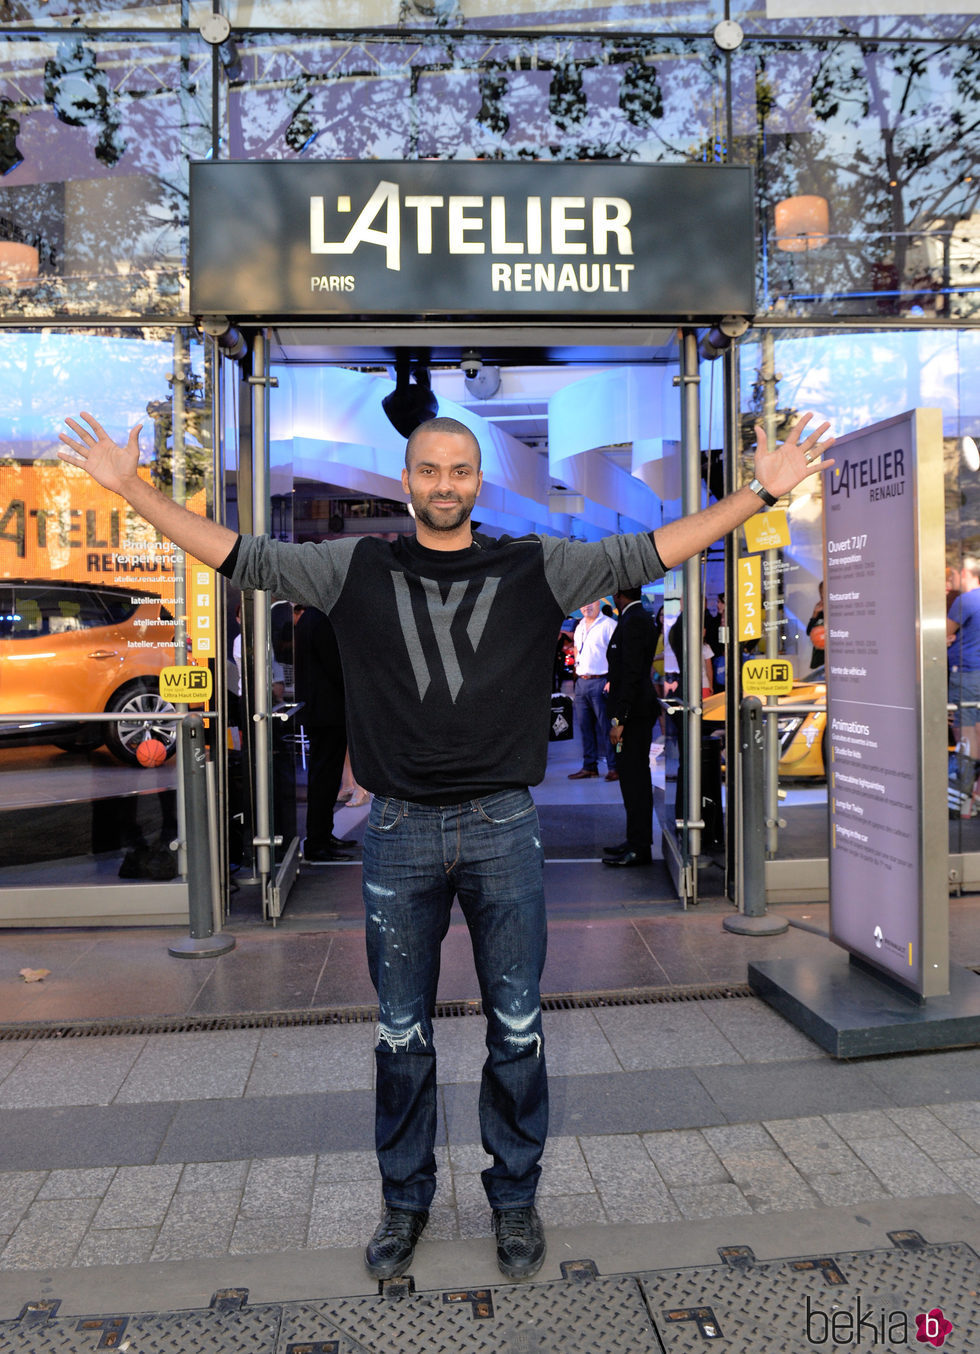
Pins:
x,y
750,597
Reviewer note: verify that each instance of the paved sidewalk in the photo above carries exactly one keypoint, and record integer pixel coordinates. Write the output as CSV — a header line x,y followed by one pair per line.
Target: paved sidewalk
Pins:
x,y
671,1120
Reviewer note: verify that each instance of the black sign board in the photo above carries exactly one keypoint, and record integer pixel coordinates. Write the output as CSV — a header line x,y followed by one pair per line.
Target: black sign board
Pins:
x,y
469,238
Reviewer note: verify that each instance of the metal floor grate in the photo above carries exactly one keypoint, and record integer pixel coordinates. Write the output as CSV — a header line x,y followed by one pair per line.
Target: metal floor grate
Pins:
x,y
352,1015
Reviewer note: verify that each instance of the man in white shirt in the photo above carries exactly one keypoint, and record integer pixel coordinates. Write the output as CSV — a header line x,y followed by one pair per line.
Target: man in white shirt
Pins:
x,y
592,635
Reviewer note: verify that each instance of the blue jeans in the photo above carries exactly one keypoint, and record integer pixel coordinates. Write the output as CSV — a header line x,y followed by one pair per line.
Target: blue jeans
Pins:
x,y
590,715
487,852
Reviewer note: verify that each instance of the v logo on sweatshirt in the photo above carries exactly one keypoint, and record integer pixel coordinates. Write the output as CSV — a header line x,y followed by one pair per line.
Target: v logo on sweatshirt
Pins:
x,y
441,616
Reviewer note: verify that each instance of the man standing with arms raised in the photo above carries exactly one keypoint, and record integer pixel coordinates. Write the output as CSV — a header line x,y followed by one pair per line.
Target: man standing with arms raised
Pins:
x,y
448,727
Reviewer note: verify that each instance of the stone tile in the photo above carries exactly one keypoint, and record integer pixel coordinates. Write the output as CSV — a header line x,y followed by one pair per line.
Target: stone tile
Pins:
x,y
570,1210
197,1225
847,1187
474,1223
758,1033
344,1214
468,1158
857,1125
614,1157
640,1196
812,1145
269,1126
119,1246
468,1191
202,1065
738,1138
644,1102
928,1078
71,1072
48,1235
443,1224
213,1175
684,1158
768,1181
337,1166
966,1174
963,1118
575,1044
17,1191
312,1059
788,1090
259,1236
904,1169
83,1184
564,1169
278,1187
10,1055
718,1200
139,1196
929,1132
85,1135
668,1034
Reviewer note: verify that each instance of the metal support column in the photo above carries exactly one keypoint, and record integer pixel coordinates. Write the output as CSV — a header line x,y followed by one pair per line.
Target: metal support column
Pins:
x,y
752,919
264,841
692,822
733,666
770,606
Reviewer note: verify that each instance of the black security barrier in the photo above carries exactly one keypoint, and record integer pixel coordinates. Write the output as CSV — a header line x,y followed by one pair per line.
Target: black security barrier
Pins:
x,y
752,918
202,942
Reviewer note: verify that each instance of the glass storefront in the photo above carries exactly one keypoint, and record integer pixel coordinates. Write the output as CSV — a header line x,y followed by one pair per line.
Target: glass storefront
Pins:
x,y
863,139
95,608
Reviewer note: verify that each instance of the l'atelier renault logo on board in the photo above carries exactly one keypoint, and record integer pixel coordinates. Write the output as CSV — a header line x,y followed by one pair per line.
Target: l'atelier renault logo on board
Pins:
x,y
556,226
427,238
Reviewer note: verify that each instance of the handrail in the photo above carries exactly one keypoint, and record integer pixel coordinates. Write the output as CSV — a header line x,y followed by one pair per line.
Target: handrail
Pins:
x,y
77,717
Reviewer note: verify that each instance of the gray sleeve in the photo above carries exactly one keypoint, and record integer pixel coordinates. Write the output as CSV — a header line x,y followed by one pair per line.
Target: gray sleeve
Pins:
x,y
311,574
581,571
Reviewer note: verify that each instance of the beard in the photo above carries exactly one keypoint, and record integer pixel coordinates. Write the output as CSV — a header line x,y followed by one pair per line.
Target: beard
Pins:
x,y
441,518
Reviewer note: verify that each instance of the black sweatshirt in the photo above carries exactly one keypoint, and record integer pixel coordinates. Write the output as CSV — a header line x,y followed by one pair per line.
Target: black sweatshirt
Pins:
x,y
447,654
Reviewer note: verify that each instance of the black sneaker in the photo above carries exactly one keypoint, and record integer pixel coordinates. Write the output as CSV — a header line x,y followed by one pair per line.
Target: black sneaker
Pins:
x,y
389,1252
520,1241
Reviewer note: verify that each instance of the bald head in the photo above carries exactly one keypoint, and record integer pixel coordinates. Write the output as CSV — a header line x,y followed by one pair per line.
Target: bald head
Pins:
x,y
444,427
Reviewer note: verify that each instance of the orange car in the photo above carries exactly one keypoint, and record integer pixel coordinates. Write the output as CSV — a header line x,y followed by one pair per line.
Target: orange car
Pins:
x,y
70,648
801,736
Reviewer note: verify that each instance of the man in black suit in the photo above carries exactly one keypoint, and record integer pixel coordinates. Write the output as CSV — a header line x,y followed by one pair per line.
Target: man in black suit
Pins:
x,y
320,686
633,709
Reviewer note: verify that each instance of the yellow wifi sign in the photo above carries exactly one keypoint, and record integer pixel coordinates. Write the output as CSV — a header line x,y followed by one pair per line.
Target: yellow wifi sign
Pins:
x,y
766,677
185,685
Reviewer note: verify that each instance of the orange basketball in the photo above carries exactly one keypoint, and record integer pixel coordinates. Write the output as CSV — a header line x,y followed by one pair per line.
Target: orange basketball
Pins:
x,y
818,636
151,752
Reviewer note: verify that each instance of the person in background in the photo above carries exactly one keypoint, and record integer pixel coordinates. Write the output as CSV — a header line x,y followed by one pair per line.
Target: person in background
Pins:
x,y
592,634
963,662
815,629
320,687
633,710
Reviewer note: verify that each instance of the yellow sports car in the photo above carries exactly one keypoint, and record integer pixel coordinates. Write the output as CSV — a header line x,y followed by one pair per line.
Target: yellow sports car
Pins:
x,y
801,735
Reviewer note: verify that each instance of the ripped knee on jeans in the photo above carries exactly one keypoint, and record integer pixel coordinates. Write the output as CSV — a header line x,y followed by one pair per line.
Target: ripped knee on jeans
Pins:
x,y
399,1040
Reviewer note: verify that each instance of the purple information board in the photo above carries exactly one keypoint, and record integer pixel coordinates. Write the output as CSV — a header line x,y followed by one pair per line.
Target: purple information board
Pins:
x,y
884,561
